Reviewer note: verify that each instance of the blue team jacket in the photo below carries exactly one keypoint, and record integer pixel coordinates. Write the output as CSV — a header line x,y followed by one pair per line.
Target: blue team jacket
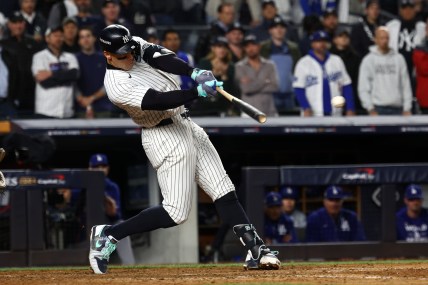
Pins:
x,y
322,228
276,230
409,229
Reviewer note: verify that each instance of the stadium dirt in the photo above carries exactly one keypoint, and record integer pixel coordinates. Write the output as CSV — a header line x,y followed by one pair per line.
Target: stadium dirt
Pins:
x,y
300,273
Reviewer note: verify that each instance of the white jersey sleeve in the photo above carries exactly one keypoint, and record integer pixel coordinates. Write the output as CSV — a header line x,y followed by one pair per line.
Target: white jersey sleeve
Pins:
x,y
300,74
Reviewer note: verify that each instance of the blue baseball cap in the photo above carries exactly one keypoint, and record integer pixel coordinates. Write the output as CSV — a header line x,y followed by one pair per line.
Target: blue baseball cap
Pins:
x,y
98,159
288,192
334,192
273,199
319,36
413,191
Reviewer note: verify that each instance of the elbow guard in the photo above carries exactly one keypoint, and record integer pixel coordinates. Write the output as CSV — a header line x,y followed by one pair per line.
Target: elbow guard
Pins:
x,y
154,51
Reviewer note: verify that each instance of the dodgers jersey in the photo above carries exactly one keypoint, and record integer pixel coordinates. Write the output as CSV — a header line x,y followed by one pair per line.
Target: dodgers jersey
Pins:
x,y
310,73
277,230
126,89
321,227
409,229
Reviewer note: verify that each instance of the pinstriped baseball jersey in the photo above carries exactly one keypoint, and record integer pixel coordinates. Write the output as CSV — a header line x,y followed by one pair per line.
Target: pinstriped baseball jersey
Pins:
x,y
181,152
126,89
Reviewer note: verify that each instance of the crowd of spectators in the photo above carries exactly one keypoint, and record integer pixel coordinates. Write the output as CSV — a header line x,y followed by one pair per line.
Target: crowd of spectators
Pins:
x,y
286,57
285,223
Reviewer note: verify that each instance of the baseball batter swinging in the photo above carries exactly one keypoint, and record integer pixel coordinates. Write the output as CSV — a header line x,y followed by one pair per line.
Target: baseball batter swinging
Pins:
x,y
138,79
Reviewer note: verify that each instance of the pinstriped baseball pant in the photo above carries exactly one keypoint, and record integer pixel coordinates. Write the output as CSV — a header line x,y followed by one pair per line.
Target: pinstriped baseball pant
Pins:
x,y
181,154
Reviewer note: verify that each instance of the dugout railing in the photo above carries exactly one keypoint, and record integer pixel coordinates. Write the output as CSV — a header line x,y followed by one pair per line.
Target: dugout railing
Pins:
x,y
389,180
25,212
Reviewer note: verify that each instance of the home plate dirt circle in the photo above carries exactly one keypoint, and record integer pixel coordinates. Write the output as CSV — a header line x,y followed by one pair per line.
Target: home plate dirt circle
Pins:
x,y
402,272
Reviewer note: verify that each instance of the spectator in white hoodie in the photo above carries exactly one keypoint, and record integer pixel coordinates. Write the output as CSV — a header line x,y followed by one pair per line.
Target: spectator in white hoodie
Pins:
x,y
384,84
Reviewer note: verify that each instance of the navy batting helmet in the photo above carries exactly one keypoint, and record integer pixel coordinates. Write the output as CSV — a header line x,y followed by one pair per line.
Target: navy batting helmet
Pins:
x,y
118,40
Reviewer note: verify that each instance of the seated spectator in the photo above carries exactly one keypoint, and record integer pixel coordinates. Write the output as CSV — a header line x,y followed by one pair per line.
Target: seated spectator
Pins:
x,y
23,47
319,7
219,60
137,13
152,36
362,34
342,47
319,76
285,55
84,17
330,22
91,99
412,220
310,24
289,198
278,227
60,11
235,37
420,61
165,11
70,28
171,40
35,22
257,77
384,84
55,72
225,19
249,17
269,12
333,223
110,13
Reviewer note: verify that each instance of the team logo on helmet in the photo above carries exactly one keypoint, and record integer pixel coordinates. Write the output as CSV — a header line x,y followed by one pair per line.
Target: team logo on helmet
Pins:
x,y
125,39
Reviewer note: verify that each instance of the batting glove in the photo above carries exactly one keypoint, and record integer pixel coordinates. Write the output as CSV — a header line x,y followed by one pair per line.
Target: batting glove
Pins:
x,y
201,75
209,88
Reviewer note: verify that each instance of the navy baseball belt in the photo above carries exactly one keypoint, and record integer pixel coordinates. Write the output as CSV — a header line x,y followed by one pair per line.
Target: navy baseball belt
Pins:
x,y
169,121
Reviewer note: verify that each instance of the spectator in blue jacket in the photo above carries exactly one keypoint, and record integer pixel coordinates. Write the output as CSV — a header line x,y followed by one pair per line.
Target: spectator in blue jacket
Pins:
x,y
412,220
279,227
332,223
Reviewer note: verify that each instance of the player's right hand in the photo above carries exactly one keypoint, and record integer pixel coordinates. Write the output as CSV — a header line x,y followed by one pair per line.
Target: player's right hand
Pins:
x,y
201,75
209,88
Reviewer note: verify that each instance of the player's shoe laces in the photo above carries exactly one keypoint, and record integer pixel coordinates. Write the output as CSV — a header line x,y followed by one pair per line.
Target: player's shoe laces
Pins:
x,y
259,256
265,260
101,247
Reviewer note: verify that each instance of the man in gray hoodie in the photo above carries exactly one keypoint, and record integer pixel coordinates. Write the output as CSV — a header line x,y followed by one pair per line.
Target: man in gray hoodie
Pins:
x,y
384,84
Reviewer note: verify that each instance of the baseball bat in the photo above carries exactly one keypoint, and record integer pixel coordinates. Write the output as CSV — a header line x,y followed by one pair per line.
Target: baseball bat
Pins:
x,y
251,111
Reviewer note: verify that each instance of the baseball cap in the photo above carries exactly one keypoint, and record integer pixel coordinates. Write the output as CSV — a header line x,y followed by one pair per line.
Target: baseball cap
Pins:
x,y
413,191
236,26
288,192
268,2
250,39
51,30
106,2
329,11
371,2
273,199
220,40
341,30
98,159
16,17
277,21
334,192
68,20
407,3
319,36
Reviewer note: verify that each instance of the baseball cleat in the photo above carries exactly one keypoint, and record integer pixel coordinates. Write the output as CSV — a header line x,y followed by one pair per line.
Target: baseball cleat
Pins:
x,y
101,247
266,261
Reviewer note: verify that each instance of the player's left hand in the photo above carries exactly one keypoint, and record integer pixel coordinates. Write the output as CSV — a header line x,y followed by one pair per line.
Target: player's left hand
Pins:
x,y
209,88
201,75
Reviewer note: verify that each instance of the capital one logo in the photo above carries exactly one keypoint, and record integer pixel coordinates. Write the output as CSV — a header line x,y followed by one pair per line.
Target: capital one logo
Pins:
x,y
125,39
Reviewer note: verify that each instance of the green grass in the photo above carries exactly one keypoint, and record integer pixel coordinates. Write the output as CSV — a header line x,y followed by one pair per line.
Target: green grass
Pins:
x,y
285,264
